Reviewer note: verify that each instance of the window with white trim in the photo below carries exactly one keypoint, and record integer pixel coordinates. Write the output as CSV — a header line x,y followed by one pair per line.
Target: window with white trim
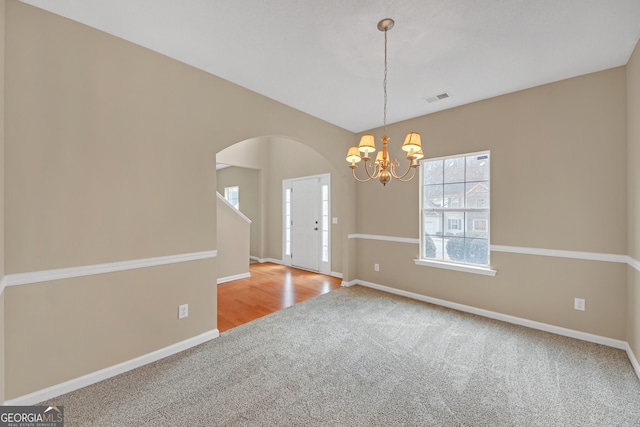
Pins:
x,y
455,209
232,194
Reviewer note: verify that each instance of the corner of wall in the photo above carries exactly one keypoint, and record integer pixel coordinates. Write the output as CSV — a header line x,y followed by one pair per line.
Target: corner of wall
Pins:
x,y
2,20
633,202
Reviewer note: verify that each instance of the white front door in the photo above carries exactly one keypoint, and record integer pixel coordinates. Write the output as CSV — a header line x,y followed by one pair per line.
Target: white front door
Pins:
x,y
306,223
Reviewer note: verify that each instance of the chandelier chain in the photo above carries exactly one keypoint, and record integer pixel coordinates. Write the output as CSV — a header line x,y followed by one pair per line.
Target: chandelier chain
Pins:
x,y
381,166
384,83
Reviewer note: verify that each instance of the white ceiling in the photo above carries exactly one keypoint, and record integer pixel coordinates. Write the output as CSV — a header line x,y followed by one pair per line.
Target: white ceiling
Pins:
x,y
325,57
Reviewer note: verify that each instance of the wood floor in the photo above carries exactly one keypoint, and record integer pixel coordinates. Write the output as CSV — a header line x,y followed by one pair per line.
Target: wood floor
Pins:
x,y
270,288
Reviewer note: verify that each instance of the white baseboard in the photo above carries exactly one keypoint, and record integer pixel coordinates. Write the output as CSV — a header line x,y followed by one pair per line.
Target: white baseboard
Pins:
x,y
103,374
272,260
280,262
231,278
584,336
633,359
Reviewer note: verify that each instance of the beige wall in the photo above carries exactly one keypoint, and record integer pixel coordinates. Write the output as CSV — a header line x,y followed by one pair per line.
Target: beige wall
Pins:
x,y
252,154
558,171
61,329
233,242
110,152
633,194
2,38
248,182
288,159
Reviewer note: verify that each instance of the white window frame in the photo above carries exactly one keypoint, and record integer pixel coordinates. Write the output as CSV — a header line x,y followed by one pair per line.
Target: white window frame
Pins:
x,y
448,264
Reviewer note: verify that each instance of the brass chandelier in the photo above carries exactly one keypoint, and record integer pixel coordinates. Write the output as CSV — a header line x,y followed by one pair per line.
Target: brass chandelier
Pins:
x,y
383,168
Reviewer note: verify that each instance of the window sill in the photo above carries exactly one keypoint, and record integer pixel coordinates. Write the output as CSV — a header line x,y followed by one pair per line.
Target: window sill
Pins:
x,y
487,271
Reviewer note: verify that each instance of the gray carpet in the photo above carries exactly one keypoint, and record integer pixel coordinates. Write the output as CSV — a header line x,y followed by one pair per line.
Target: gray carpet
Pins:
x,y
359,357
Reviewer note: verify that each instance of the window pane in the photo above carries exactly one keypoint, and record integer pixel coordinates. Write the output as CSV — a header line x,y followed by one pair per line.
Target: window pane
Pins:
x,y
430,249
432,196
287,222
432,172
432,223
232,194
325,246
477,195
477,251
454,249
454,170
454,196
478,167
453,223
325,223
433,243
439,242
477,224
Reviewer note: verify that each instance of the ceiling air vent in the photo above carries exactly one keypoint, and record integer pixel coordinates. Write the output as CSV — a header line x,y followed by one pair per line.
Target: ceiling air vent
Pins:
x,y
438,97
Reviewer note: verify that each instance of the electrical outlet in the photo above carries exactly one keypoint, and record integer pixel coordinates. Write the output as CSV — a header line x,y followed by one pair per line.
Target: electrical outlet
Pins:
x,y
376,267
579,304
183,311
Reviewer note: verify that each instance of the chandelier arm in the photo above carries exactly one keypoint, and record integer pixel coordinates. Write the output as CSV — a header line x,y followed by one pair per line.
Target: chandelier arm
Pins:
x,y
400,177
353,171
374,167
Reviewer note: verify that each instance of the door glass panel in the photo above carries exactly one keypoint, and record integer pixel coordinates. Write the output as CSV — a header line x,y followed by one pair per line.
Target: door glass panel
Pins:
x,y
287,221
